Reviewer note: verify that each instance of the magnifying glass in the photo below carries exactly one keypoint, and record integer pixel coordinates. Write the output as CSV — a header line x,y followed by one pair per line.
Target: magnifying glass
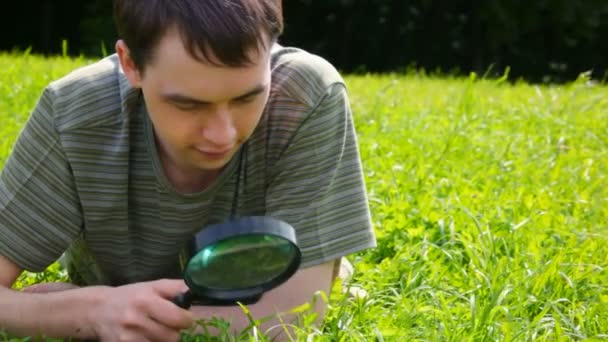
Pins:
x,y
237,261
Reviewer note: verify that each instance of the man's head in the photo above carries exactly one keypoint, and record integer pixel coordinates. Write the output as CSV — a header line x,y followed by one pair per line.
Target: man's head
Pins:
x,y
217,31
204,70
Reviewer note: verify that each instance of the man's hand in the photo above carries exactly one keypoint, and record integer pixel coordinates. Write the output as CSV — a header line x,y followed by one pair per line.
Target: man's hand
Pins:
x,y
136,312
140,312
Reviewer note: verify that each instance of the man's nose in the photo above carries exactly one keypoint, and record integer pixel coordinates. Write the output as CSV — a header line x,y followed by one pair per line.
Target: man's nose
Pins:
x,y
220,129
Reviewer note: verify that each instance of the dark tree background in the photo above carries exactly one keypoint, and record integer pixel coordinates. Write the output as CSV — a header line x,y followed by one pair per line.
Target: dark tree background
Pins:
x,y
538,39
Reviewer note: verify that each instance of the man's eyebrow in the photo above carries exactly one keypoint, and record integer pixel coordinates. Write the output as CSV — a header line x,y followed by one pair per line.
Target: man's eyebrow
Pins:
x,y
179,98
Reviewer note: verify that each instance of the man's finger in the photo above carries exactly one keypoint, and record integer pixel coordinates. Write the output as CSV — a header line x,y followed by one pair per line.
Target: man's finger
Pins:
x,y
169,288
169,314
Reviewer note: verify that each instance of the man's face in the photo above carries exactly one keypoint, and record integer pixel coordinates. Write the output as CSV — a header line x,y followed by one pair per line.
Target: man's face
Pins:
x,y
201,113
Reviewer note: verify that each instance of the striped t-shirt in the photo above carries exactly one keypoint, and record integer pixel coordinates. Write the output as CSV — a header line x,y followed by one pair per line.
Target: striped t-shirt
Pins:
x,y
84,178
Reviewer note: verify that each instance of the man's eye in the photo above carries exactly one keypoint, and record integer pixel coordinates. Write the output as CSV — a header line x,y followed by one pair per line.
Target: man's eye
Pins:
x,y
247,99
186,106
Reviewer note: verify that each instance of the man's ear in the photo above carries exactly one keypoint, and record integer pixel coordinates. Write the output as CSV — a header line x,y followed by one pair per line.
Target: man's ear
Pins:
x,y
127,64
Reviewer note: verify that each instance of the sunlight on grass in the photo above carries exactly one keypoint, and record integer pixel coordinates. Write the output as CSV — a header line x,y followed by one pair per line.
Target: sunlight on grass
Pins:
x,y
489,199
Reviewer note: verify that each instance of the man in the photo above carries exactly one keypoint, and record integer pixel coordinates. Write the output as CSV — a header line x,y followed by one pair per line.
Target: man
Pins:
x,y
199,117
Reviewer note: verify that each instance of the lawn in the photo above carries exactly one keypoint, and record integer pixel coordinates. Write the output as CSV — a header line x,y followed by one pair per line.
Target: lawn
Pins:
x,y
489,199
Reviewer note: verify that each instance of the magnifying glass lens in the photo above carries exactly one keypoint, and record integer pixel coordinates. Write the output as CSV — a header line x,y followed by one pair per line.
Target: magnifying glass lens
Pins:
x,y
241,262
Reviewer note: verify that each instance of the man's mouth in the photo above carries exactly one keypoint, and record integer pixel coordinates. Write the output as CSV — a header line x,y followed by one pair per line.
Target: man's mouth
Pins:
x,y
214,154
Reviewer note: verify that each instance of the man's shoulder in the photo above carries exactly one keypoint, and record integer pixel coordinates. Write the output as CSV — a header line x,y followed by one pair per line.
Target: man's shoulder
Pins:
x,y
301,81
94,71
301,75
86,96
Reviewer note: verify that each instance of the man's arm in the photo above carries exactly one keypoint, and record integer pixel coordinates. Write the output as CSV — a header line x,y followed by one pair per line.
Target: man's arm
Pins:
x,y
8,272
20,317
79,313
298,290
138,312
40,215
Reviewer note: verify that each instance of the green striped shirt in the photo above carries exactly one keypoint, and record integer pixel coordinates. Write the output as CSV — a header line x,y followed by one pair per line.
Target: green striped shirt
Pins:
x,y
84,179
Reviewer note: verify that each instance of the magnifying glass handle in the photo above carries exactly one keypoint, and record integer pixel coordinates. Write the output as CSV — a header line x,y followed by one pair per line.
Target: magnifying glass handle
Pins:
x,y
183,300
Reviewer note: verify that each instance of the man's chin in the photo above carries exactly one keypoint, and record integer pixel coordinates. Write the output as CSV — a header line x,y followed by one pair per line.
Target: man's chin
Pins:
x,y
214,165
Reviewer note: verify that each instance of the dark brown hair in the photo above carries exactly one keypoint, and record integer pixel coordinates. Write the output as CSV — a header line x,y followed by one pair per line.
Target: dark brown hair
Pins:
x,y
221,32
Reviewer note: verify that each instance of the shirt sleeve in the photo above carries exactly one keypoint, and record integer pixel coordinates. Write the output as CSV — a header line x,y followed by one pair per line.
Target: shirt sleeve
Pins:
x,y
39,208
317,184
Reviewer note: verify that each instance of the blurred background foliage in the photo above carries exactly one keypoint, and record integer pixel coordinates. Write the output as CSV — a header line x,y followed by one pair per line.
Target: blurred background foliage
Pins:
x,y
540,40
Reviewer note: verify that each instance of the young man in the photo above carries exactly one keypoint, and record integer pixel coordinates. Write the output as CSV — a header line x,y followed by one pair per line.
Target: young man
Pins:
x,y
200,116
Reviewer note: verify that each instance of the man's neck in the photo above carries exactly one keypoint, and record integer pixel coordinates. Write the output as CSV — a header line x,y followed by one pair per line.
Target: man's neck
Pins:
x,y
185,181
188,183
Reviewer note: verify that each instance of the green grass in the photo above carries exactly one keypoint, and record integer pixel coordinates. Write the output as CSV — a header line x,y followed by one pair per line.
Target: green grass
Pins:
x,y
490,202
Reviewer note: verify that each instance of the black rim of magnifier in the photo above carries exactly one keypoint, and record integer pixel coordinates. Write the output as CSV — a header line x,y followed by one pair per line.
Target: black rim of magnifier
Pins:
x,y
253,225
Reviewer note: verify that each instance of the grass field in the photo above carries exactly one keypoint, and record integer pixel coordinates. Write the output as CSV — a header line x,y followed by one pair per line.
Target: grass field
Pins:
x,y
489,198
